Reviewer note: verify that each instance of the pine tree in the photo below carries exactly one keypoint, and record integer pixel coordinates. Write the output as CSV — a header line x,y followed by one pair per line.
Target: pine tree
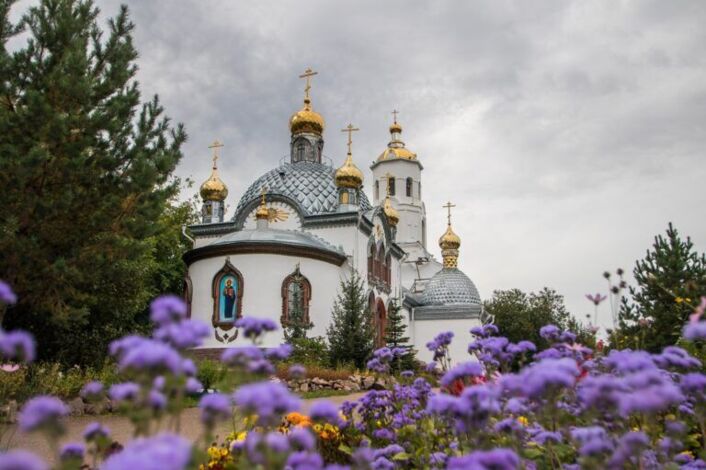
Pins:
x,y
350,333
395,338
85,176
670,279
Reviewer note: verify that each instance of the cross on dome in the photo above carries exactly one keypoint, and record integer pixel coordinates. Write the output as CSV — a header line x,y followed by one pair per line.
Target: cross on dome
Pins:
x,y
215,146
308,73
448,207
350,129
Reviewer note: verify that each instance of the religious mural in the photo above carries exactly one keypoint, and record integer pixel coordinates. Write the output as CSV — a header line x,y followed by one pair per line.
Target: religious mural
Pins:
x,y
227,296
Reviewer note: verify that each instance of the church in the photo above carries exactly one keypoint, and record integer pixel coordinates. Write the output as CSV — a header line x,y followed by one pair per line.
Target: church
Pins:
x,y
306,225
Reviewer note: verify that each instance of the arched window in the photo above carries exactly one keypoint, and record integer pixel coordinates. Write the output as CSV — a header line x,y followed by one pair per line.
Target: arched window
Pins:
x,y
388,269
391,183
377,190
296,295
345,197
301,150
227,293
380,323
371,261
380,261
408,187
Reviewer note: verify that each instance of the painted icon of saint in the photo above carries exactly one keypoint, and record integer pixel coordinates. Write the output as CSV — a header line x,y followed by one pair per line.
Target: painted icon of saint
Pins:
x,y
229,297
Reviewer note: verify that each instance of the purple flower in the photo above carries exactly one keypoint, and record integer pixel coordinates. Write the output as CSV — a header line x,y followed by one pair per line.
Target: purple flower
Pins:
x,y
694,331
161,452
462,371
72,451
151,356
508,425
254,327
377,366
626,361
324,410
7,296
297,371
384,434
593,440
126,391
549,332
214,407
694,384
603,392
567,337
526,346
304,461
542,378
242,356
515,406
652,392
301,439
261,366
430,367
675,357
21,460
277,442
94,431
184,334
42,412
92,390
166,309
407,374
157,400
17,345
543,437
269,400
496,459
596,299
629,446
193,386
281,352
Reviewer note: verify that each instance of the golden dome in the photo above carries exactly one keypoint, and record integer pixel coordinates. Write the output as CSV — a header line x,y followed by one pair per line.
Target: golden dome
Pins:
x,y
213,189
306,120
396,147
449,240
392,215
349,176
395,128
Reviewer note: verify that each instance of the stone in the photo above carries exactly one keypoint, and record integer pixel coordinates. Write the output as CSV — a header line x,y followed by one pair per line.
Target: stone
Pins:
x,y
368,382
76,407
98,408
9,412
304,387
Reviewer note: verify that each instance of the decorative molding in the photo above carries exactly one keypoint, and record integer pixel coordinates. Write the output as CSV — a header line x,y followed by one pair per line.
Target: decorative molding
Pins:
x,y
252,247
225,338
447,312
227,269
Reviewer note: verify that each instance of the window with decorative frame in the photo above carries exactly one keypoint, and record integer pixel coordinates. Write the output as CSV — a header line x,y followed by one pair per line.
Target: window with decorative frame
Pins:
x,y
408,187
391,185
227,292
296,296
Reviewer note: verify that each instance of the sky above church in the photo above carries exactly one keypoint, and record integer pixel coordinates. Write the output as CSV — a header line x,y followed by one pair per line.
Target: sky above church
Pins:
x,y
567,133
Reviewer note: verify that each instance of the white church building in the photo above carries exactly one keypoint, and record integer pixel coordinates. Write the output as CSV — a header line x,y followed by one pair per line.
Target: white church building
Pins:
x,y
304,226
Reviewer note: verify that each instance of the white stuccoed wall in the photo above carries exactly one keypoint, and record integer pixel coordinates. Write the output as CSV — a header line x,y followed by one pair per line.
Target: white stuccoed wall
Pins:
x,y
425,330
262,277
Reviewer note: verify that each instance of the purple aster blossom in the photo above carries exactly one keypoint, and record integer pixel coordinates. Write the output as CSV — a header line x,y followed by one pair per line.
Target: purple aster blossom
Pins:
x,y
95,430
440,343
490,329
603,392
388,451
253,327
151,356
407,374
193,386
543,437
261,366
438,459
241,356
675,357
71,451
593,440
625,361
7,295
526,346
326,411
567,337
629,447
382,463
214,407
92,390
304,461
161,452
443,404
383,354
376,365
549,353
542,378
277,442
297,371
431,366
476,405
167,309
496,459
462,371
159,382
120,346
157,400
384,434
515,406
269,400
301,439
184,334
281,352
42,412
478,331
17,345
550,332
694,384
653,392
694,331
125,391
188,367
508,425
21,460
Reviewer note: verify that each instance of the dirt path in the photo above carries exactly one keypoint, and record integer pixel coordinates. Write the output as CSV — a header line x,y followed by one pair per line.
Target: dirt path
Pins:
x,y
121,429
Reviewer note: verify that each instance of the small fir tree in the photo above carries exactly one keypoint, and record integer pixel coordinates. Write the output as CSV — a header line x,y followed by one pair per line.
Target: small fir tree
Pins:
x,y
350,334
669,281
395,338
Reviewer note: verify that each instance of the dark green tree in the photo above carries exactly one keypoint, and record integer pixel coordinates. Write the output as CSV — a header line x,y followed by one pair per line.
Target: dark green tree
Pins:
x,y
519,316
350,334
86,175
669,281
395,338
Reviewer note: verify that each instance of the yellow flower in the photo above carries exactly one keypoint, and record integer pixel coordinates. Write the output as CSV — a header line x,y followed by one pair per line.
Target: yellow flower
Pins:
x,y
688,453
523,421
250,420
241,436
679,300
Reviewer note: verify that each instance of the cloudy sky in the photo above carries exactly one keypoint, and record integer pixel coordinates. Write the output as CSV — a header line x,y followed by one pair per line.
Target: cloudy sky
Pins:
x,y
568,133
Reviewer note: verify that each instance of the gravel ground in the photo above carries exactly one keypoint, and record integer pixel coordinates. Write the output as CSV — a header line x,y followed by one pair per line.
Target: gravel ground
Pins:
x,y
121,429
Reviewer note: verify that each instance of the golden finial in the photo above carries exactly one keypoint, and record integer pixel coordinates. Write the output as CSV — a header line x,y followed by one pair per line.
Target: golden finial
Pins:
x,y
308,73
349,176
395,113
449,241
262,211
392,215
213,189
350,129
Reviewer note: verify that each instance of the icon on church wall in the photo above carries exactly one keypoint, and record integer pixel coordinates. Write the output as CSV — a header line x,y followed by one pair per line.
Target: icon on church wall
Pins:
x,y
228,298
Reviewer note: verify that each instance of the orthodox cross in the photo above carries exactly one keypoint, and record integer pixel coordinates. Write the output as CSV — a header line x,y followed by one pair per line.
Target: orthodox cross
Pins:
x,y
350,129
389,177
448,207
308,73
395,113
215,146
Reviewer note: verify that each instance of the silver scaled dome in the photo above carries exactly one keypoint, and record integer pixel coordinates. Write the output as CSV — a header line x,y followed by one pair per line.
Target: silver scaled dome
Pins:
x,y
450,286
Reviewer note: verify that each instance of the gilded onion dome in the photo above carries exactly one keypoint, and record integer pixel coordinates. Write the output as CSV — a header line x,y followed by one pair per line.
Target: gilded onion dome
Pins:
x,y
213,189
262,211
390,212
449,243
396,147
306,120
348,175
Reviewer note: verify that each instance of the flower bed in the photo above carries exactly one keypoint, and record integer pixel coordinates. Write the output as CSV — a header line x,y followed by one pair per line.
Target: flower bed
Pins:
x,y
510,406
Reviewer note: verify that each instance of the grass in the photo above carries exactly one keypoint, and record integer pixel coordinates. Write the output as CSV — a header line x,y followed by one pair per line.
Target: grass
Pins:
x,y
317,371
323,393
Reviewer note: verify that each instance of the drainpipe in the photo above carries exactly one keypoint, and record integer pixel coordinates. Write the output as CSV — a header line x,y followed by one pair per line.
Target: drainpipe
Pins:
x,y
186,235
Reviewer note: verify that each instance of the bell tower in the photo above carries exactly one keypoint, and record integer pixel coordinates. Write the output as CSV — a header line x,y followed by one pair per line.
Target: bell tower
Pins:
x,y
306,127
